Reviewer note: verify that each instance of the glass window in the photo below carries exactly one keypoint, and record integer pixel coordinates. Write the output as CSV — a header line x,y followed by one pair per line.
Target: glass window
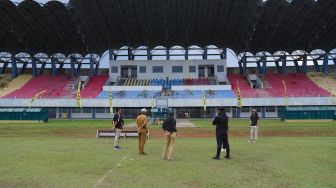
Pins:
x,y
100,110
177,69
87,110
114,69
192,68
220,68
63,110
245,109
142,69
157,69
270,109
76,110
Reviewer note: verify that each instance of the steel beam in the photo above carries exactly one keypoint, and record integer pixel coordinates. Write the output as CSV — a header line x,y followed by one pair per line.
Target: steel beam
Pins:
x,y
304,64
325,64
284,65
53,66
24,66
4,67
42,67
264,68
316,65
297,67
14,67
34,67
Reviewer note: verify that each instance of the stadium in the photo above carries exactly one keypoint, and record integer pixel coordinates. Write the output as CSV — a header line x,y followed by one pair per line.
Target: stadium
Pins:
x,y
72,63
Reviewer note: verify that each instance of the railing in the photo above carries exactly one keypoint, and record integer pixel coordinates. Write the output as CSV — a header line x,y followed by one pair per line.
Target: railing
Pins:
x,y
197,102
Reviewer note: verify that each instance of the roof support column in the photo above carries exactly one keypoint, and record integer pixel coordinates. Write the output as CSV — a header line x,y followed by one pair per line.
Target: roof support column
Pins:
x,y
79,66
130,54
24,66
53,66
264,65
241,71
4,67
316,65
304,64
244,65
110,54
278,67
72,64
60,66
284,65
34,68
42,67
325,64
186,54
14,67
91,67
205,53
297,66
167,54
259,67
223,54
96,69
149,55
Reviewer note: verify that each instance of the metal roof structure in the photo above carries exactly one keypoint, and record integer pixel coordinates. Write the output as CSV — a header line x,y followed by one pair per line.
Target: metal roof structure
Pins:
x,y
94,26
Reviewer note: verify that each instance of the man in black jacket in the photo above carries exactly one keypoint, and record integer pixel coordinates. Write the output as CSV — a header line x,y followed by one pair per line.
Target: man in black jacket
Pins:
x,y
169,128
221,122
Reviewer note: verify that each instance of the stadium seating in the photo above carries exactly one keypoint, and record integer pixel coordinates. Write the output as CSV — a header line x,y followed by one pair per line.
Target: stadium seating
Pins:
x,y
4,80
94,86
245,89
327,82
15,84
298,85
54,87
129,94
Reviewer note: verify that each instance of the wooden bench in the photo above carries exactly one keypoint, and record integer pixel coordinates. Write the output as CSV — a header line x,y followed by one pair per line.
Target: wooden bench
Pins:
x,y
124,133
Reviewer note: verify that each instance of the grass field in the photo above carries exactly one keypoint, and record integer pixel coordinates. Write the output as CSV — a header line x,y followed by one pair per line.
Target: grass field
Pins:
x,y
67,154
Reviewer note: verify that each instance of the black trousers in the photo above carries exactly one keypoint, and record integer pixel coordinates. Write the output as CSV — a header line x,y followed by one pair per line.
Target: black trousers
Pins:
x,y
222,140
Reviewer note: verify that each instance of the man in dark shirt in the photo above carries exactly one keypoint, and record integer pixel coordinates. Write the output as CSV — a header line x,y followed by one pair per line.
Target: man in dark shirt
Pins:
x,y
118,123
221,122
254,123
169,128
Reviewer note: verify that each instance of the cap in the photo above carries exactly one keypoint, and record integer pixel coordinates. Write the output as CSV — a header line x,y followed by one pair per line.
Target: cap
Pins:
x,y
143,110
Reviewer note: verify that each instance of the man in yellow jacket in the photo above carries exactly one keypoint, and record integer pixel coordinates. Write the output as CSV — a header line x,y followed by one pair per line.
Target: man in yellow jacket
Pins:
x,y
142,126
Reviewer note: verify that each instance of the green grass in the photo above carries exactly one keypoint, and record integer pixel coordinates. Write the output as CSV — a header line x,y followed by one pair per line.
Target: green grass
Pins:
x,y
263,122
33,155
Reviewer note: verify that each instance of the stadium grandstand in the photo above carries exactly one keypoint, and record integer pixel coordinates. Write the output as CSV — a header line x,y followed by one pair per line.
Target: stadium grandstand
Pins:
x,y
167,54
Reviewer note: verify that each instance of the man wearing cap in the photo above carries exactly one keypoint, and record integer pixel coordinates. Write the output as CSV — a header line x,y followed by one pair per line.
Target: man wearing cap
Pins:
x,y
254,123
142,126
118,123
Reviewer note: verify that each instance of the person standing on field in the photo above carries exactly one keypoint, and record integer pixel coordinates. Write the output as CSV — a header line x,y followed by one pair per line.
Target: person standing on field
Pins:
x,y
221,121
118,123
169,128
142,127
254,123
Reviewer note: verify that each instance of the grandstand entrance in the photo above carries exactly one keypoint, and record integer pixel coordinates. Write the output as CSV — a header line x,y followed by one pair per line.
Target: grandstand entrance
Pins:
x,y
128,72
206,71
